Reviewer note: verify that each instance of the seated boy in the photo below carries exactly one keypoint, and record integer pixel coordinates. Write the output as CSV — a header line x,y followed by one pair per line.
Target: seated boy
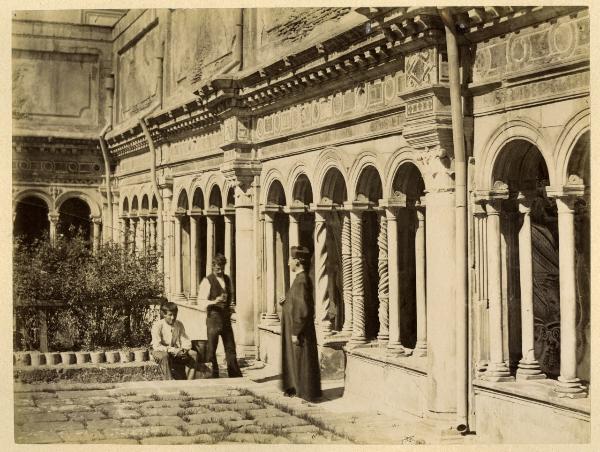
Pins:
x,y
171,348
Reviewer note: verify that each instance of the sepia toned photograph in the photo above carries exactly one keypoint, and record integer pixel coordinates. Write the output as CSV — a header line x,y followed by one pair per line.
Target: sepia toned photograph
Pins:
x,y
301,225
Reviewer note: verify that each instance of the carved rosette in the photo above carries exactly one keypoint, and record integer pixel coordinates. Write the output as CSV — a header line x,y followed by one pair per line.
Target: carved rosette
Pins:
x,y
321,275
358,293
383,289
347,273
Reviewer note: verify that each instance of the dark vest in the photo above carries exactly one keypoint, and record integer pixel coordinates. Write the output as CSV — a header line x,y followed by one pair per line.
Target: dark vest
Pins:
x,y
216,289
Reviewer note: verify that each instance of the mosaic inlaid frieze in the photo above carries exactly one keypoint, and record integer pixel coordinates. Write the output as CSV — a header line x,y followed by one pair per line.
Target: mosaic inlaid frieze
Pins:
x,y
370,96
546,45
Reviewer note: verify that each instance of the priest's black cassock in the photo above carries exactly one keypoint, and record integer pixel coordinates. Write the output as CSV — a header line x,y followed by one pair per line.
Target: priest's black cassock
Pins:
x,y
300,362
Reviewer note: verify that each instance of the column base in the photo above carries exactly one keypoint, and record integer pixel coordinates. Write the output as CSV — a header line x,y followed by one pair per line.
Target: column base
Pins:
x,y
270,319
357,340
497,372
570,388
396,350
529,370
179,298
420,349
325,329
383,340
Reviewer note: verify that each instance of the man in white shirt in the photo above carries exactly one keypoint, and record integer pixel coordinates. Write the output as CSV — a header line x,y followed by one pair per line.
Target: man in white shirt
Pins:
x,y
171,347
214,295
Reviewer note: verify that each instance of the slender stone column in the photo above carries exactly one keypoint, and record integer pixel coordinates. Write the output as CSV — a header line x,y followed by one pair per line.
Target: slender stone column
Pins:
x,y
178,275
528,367
142,234
497,369
481,305
123,227
270,317
153,233
394,344
97,234
210,240
347,273
294,230
421,298
358,293
383,288
568,384
133,234
53,217
228,243
322,301
193,258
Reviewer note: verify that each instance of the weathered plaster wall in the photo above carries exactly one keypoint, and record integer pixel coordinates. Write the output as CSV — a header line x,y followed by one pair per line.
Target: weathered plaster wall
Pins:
x,y
57,76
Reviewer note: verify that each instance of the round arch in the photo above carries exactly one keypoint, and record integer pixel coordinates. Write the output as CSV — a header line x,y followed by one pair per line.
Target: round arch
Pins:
x,y
363,173
198,198
214,198
31,218
273,175
145,203
333,187
516,130
570,137
230,199
302,190
94,207
404,155
35,194
125,206
182,200
276,193
407,180
135,207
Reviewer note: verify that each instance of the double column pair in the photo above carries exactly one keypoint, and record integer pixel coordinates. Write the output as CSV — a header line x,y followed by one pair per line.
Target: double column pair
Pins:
x,y
528,368
210,250
138,233
389,312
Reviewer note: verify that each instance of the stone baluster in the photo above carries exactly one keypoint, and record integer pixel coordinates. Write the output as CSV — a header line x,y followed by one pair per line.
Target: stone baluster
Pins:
x,y
568,384
528,367
383,286
420,283
347,273
497,369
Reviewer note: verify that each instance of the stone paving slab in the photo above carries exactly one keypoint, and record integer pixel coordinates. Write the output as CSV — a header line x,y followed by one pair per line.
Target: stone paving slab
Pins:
x,y
170,411
131,423
265,412
39,417
214,417
38,438
116,441
141,432
103,423
177,440
281,422
261,438
124,414
160,404
174,421
82,436
51,426
86,416
191,429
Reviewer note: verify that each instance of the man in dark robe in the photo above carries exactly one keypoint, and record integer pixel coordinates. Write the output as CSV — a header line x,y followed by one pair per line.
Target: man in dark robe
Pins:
x,y
299,357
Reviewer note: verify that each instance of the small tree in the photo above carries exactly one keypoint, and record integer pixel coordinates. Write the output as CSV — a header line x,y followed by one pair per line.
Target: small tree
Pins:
x,y
104,295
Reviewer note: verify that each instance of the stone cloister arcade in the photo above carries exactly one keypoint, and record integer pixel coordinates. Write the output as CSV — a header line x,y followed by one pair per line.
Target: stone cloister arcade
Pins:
x,y
531,279
368,249
50,212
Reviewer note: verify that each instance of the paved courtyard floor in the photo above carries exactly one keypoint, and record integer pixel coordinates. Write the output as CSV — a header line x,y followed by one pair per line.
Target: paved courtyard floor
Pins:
x,y
207,411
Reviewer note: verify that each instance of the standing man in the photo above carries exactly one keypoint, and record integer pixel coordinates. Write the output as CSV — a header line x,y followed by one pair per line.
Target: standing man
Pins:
x,y
301,375
214,294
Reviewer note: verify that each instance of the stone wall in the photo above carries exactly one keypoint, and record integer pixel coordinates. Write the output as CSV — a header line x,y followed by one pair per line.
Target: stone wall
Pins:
x,y
57,74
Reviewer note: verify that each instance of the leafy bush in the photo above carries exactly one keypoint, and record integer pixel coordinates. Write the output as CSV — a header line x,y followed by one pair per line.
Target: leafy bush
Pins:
x,y
93,300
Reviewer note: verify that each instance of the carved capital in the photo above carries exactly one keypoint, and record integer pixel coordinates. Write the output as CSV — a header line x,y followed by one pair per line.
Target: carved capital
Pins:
x,y
438,172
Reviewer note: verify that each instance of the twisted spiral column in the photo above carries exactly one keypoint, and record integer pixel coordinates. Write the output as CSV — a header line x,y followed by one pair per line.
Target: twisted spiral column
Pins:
x,y
383,289
347,273
322,301
358,292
